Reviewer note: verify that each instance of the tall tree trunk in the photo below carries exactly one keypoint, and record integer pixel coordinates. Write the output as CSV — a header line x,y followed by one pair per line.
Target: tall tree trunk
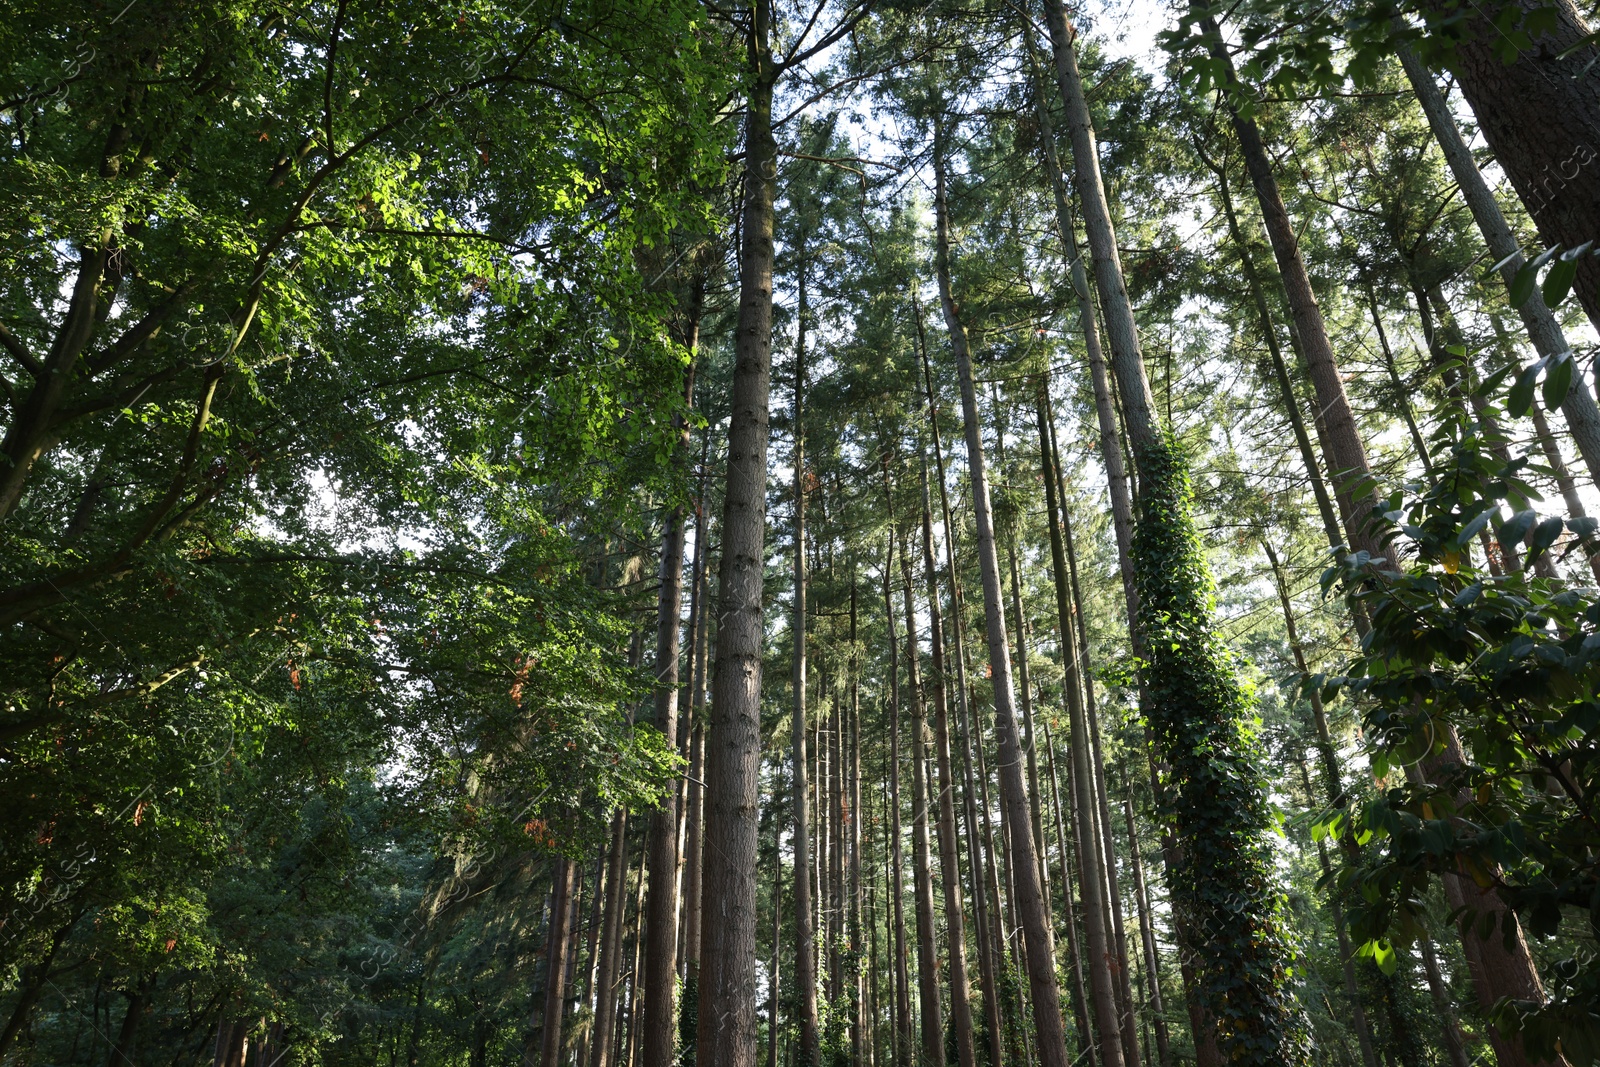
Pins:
x,y
597,895
902,977
34,977
1147,936
555,982
1539,115
601,1047
1402,397
1024,681
1454,1045
1579,406
805,974
1280,370
949,864
773,975
1080,999
126,1045
1334,796
661,918
931,1011
726,1014
860,1041
1103,959
1346,454
693,864
1030,903
987,938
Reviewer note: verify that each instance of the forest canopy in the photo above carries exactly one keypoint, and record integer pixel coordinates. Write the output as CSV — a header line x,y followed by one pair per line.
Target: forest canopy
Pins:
x,y
673,533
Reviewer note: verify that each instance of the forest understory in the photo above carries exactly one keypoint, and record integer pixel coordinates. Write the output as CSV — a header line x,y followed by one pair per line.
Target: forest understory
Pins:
x,y
718,533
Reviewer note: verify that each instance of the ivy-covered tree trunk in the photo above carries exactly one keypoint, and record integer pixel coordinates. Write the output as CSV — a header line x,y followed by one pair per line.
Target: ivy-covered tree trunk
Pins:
x,y
1199,720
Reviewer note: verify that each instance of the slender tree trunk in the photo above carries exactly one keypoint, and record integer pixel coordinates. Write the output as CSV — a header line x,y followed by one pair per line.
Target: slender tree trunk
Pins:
x,y
1346,454
1280,370
1080,998
726,1015
1454,1044
949,864
697,744
605,1009
1579,406
902,978
1103,959
34,977
1147,936
860,1041
774,975
986,934
1121,332
597,894
661,919
932,1012
805,975
1402,397
1334,796
1024,681
1030,901
555,982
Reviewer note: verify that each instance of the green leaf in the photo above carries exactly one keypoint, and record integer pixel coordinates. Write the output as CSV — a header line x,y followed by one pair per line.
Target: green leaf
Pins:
x,y
1520,399
1545,534
1517,527
1491,385
1558,383
1558,282
1470,530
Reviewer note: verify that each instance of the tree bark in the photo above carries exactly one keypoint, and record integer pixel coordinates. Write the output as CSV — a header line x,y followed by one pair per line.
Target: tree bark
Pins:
x,y
1030,903
949,864
931,1010
805,973
1548,339
556,962
1346,454
727,1021
1539,115
1103,960
902,976
605,1000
